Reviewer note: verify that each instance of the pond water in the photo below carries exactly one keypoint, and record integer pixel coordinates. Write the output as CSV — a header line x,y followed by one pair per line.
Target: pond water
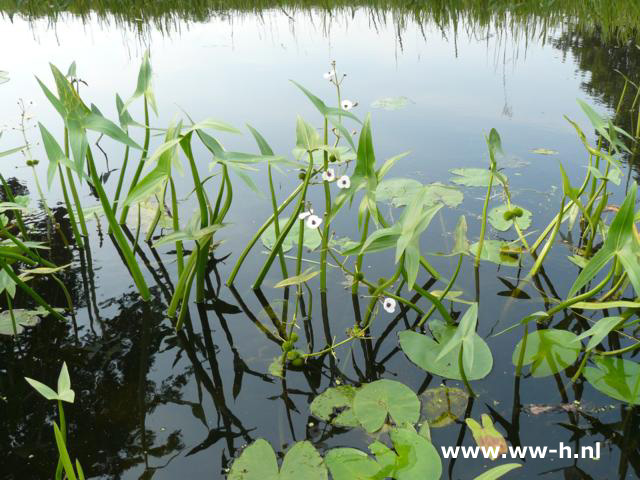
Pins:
x,y
153,403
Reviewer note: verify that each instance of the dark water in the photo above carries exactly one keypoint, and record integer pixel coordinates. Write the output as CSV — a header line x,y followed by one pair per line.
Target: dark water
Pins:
x,y
153,403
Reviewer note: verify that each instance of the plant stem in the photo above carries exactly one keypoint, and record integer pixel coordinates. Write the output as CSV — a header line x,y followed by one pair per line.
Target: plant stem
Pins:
x,y
327,215
483,226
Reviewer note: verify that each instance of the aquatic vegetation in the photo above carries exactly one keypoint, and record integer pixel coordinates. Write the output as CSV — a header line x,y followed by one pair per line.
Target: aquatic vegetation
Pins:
x,y
327,163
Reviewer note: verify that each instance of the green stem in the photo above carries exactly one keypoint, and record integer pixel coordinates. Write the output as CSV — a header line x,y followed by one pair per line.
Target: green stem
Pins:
x,y
327,215
426,316
484,220
176,226
463,374
276,222
547,247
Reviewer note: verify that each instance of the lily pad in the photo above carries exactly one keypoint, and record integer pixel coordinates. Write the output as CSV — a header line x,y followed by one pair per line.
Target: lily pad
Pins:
x,y
615,377
424,350
312,238
376,401
24,318
471,177
544,151
548,351
334,405
443,405
400,192
350,464
391,103
496,218
258,462
502,253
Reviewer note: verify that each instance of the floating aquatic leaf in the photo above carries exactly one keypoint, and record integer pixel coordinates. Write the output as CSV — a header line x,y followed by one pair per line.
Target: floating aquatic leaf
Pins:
x,y
616,377
351,464
497,220
258,462
4,77
423,351
391,103
305,276
502,253
375,401
312,238
443,405
544,151
335,405
23,318
414,457
471,177
548,351
487,437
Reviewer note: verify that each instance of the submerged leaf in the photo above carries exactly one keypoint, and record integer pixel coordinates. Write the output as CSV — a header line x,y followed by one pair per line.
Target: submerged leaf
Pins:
x,y
616,377
487,437
548,351
335,405
312,238
391,103
443,405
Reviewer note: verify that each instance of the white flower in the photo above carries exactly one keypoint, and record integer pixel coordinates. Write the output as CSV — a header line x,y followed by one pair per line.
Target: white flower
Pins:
x,y
313,221
389,305
329,175
348,104
344,181
329,75
304,215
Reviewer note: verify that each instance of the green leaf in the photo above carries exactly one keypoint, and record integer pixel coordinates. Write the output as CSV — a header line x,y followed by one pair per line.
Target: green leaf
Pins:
x,y
144,86
391,103
64,385
258,462
312,238
487,437
497,472
471,177
598,331
64,454
335,405
23,318
548,351
4,77
42,389
322,108
351,464
498,252
7,284
615,377
461,243
400,191
276,367
307,137
305,276
423,351
388,164
375,401
98,123
496,218
464,336
544,151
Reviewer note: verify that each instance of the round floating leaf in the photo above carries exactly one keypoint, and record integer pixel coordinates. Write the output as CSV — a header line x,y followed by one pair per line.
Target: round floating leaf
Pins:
x,y
414,458
401,191
471,177
351,464
615,377
391,103
334,405
497,221
498,252
23,318
375,401
548,351
312,238
423,351
443,405
258,462
544,151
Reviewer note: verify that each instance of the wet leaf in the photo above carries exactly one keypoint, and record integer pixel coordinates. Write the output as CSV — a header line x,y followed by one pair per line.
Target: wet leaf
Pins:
x,y
544,151
548,351
24,318
375,401
423,351
276,367
498,252
305,276
335,405
487,437
443,405
615,377
312,238
258,462
471,177
598,331
391,103
497,220
351,464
